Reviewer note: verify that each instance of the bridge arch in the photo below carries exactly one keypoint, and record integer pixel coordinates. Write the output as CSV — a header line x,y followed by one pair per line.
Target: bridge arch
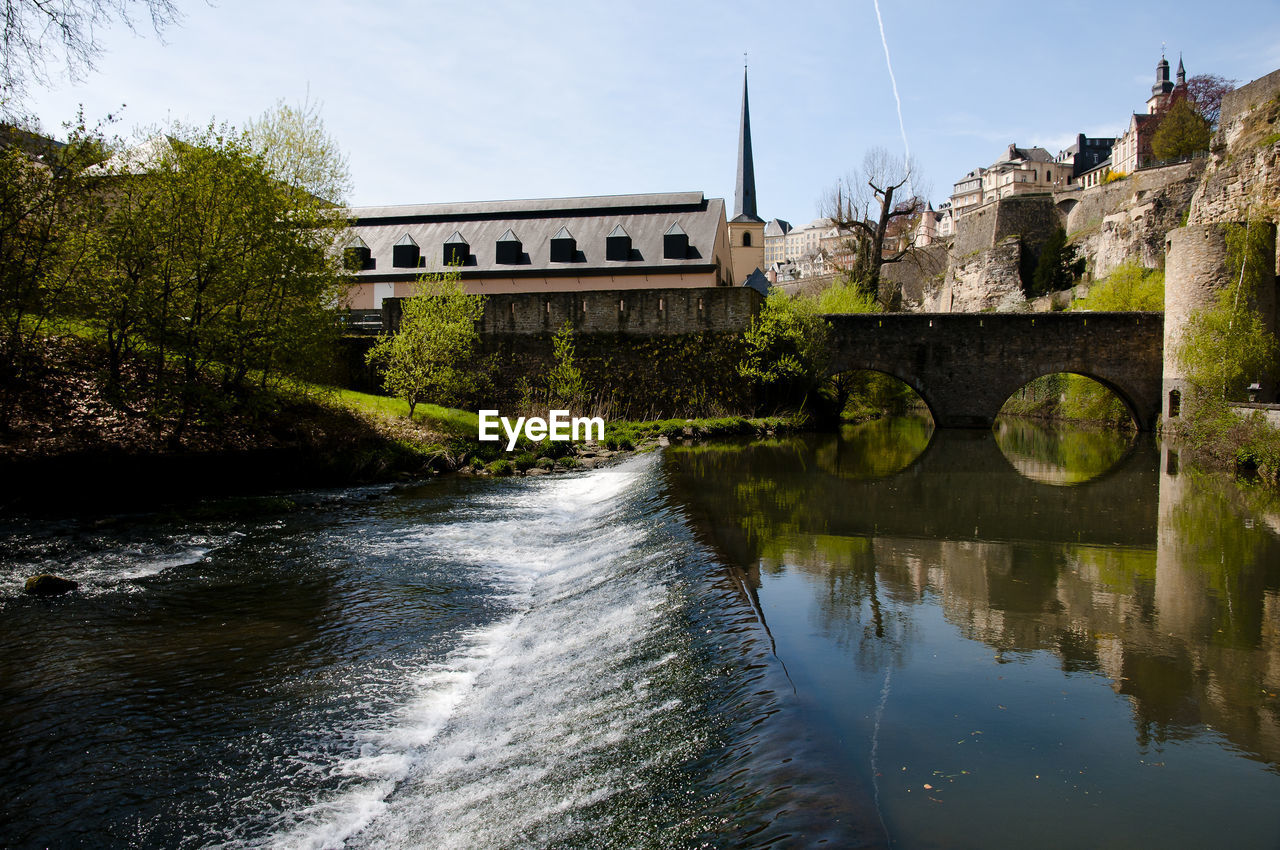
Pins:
x,y
1119,391
966,365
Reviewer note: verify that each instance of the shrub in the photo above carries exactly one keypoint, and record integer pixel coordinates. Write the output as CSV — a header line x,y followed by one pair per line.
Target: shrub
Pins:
x,y
502,466
546,463
524,461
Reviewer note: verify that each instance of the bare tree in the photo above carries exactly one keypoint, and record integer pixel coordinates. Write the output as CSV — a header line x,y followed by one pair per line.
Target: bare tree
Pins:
x,y
1205,92
874,207
36,34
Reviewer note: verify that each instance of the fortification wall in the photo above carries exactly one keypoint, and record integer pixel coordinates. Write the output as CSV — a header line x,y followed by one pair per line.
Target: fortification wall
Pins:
x,y
1033,217
1249,96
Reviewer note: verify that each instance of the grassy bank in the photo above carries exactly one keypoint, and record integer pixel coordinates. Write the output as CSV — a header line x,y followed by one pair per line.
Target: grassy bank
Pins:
x,y
73,439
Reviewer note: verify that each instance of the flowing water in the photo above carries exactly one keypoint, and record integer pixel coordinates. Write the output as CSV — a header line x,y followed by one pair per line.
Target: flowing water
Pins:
x,y
885,637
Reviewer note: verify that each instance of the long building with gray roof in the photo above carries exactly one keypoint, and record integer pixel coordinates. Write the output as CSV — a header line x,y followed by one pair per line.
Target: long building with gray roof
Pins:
x,y
545,245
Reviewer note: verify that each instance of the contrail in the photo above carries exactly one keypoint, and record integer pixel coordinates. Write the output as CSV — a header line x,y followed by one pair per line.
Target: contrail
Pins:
x,y
889,62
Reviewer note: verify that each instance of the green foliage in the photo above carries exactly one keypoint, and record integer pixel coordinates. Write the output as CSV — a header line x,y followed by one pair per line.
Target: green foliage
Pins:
x,y
433,355
1182,132
1129,287
43,216
1057,267
847,296
1227,346
566,389
299,152
501,466
786,349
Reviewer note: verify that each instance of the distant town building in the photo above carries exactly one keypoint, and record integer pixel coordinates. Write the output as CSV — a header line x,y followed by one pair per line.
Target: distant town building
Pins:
x,y
775,241
1020,171
1085,154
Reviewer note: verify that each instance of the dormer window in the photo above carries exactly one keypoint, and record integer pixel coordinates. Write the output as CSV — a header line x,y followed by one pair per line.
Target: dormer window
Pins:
x,y
456,250
509,250
675,243
617,245
564,248
357,257
405,253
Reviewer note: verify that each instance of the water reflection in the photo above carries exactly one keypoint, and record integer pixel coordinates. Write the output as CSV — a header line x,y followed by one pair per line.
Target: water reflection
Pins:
x,y
1061,456
1161,584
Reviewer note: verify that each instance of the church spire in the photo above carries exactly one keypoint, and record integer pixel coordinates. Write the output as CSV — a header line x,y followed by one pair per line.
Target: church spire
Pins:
x,y
744,196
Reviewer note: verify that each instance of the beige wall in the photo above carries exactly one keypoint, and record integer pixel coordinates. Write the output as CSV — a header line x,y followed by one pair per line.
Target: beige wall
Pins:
x,y
746,258
368,296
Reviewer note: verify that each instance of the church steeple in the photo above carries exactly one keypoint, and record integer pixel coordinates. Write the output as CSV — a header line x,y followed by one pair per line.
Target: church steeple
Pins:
x,y
744,195
1182,72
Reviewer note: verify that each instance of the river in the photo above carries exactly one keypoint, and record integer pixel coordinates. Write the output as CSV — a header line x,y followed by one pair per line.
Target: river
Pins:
x,y
888,636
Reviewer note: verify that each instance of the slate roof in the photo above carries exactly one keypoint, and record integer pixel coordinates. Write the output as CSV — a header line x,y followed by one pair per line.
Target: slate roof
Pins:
x,y
777,227
481,224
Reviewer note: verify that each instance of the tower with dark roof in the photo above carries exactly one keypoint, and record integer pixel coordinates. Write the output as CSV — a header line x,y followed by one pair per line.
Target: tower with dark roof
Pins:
x,y
746,228
744,194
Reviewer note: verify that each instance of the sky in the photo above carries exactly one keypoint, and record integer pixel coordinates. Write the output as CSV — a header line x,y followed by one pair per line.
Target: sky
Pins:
x,y
466,101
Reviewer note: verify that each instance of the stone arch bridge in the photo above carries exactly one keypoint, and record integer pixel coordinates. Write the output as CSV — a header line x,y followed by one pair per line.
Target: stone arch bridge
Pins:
x,y
966,365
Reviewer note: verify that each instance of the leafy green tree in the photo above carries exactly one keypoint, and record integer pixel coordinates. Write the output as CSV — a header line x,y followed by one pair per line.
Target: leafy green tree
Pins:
x,y
1182,132
299,152
433,355
786,348
43,216
565,386
220,268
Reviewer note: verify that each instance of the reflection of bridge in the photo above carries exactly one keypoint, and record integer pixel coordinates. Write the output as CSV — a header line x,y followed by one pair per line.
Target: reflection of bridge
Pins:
x,y
966,365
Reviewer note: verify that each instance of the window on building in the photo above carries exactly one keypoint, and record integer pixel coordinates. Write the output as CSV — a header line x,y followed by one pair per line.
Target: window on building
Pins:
x,y
746,239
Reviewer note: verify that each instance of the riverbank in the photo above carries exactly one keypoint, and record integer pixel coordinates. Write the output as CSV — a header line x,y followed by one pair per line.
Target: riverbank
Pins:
x,y
72,442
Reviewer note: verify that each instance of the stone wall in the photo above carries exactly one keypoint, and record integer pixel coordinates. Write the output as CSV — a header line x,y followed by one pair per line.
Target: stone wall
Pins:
x,y
1033,217
643,353
616,311
1249,96
1128,219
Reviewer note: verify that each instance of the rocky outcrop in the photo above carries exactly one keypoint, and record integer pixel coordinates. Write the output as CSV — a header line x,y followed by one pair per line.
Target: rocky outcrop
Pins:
x,y
1128,219
980,281
1242,180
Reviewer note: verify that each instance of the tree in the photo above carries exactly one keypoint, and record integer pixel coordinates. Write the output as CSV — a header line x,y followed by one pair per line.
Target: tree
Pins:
x,y
870,209
432,357
300,153
36,33
221,269
1204,92
1227,346
565,386
43,195
786,348
1182,132
1057,267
